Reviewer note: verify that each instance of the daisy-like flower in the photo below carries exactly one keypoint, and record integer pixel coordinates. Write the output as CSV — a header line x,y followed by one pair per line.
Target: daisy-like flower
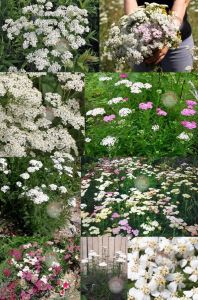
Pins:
x,y
192,270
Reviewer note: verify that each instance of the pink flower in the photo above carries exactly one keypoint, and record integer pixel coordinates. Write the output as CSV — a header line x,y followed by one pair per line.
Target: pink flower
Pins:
x,y
135,232
41,286
57,270
123,75
125,99
117,171
146,105
161,112
191,103
188,112
123,223
62,292
115,215
6,272
109,118
189,125
16,254
27,276
25,296
67,256
66,285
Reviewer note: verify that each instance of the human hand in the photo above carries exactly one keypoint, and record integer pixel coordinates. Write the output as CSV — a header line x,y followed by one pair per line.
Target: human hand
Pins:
x,y
158,56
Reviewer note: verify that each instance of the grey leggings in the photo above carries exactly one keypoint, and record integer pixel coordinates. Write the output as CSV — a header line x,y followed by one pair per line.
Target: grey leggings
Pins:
x,y
176,60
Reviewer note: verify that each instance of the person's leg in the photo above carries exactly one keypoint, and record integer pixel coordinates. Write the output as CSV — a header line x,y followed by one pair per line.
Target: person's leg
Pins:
x,y
180,59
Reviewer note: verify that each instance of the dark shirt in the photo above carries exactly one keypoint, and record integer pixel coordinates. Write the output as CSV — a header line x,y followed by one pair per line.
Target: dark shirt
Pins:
x,y
185,29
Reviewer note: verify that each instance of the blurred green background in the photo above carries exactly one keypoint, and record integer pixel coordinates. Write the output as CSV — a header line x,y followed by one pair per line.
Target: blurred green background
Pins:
x,y
112,10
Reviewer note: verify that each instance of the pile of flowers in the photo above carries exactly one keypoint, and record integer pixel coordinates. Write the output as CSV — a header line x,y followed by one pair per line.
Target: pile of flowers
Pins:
x,y
33,121
35,271
130,196
139,35
103,276
37,195
140,118
50,36
161,268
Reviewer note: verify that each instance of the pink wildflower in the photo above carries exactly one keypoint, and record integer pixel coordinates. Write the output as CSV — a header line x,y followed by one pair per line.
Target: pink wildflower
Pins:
x,y
6,272
191,103
66,285
115,215
146,105
109,118
67,256
188,112
16,254
62,292
189,125
161,112
25,296
123,75
123,222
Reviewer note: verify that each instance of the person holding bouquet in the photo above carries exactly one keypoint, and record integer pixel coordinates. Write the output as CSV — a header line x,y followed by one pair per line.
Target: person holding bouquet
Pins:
x,y
169,60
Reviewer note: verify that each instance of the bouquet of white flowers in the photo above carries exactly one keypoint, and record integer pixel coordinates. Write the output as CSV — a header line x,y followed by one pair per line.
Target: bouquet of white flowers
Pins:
x,y
139,35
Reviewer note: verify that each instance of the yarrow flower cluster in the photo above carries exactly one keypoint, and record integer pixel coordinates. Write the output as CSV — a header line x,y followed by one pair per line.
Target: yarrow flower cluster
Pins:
x,y
165,269
46,186
31,121
132,197
138,35
51,36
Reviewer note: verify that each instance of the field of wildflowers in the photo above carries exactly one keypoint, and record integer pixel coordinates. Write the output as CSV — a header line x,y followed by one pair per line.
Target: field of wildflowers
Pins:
x,y
141,114
130,196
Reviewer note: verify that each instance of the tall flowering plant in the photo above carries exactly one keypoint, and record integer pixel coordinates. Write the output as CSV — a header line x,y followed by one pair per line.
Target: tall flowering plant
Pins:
x,y
102,277
139,35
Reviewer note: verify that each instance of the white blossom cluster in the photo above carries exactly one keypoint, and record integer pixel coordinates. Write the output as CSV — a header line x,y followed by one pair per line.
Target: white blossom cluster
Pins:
x,y
58,165
71,81
30,121
138,35
160,268
51,35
